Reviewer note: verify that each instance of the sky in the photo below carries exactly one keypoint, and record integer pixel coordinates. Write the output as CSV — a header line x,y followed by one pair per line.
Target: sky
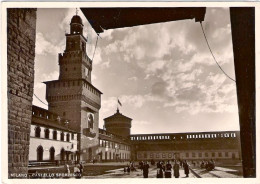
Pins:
x,y
163,74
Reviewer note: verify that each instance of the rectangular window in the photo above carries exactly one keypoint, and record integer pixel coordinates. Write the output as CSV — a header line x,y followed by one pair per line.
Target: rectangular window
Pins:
x,y
163,155
193,155
226,154
200,154
213,154
151,155
187,155
219,154
206,154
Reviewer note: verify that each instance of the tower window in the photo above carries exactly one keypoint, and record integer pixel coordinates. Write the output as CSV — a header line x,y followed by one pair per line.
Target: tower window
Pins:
x,y
64,113
66,69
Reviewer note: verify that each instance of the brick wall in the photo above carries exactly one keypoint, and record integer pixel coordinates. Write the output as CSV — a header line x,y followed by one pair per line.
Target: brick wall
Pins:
x,y
21,25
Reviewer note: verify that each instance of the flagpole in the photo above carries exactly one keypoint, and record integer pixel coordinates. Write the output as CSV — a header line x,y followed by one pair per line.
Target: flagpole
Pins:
x,y
117,104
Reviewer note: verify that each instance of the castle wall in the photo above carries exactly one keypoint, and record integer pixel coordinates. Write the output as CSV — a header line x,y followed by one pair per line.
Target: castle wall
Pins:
x,y
21,25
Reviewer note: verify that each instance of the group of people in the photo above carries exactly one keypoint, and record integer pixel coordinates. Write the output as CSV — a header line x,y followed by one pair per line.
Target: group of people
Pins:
x,y
208,165
78,170
166,169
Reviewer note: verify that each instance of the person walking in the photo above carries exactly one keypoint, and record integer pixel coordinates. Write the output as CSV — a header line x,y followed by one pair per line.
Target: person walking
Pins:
x,y
145,169
159,170
186,168
77,172
176,169
168,170
81,168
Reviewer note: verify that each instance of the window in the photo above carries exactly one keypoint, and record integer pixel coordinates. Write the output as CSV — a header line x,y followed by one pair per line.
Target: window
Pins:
x,y
47,133
90,121
213,154
145,155
219,154
200,154
55,135
64,113
193,155
226,154
187,155
62,136
72,136
37,132
151,155
206,154
68,137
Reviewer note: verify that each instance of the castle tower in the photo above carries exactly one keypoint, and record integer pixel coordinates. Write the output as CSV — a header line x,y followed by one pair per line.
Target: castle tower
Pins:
x,y
118,124
73,96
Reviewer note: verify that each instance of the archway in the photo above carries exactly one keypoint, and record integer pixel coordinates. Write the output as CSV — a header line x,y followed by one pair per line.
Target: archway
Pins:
x,y
62,154
39,153
52,154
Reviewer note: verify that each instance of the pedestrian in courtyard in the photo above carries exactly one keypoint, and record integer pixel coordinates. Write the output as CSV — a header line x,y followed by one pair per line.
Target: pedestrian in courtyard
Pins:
x,y
186,168
145,169
77,172
176,169
159,170
81,168
67,169
168,170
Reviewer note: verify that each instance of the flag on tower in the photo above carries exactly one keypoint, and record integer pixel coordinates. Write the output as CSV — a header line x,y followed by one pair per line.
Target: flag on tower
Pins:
x,y
119,102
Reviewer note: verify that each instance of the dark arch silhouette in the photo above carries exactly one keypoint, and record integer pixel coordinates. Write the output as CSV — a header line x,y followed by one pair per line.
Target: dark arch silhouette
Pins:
x,y
47,133
52,153
55,135
39,153
37,131
62,154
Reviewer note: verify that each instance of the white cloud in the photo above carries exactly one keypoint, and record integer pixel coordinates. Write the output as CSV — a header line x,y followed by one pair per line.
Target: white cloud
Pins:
x,y
132,78
44,47
136,122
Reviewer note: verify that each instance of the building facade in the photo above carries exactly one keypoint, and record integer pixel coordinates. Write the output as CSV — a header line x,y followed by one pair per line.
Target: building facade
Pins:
x,y
221,146
50,139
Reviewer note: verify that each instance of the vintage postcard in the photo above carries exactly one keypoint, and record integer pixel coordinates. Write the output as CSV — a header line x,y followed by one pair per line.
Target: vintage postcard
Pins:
x,y
98,92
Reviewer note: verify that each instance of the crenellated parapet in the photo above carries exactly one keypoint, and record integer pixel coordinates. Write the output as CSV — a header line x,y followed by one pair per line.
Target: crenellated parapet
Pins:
x,y
186,136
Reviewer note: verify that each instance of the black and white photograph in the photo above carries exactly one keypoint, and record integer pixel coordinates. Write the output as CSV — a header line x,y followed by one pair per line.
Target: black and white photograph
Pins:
x,y
129,91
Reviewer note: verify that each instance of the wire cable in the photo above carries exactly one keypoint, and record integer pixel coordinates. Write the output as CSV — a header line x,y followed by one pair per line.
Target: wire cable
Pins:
x,y
95,48
39,99
213,54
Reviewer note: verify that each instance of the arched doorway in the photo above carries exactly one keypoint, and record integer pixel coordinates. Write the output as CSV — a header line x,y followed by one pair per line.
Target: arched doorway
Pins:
x,y
39,153
62,154
52,154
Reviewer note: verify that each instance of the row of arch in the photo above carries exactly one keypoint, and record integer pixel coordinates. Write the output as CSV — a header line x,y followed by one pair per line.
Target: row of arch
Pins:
x,y
54,134
40,151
